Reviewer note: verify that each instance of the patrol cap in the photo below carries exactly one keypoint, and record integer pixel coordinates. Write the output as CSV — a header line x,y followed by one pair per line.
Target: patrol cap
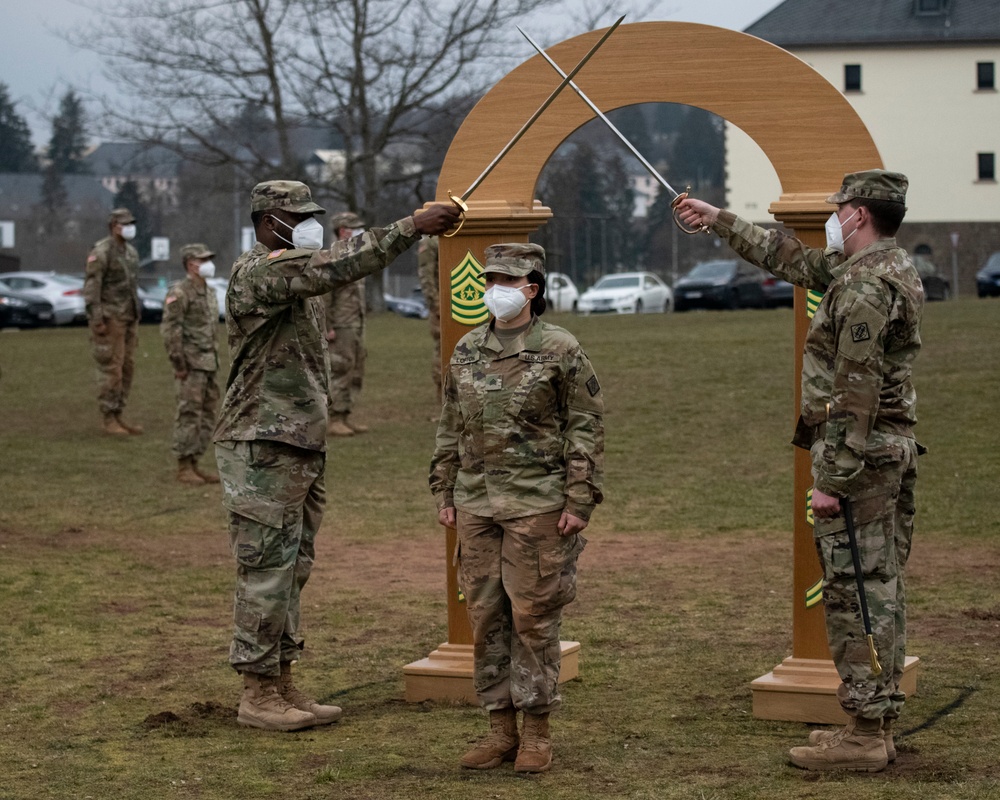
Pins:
x,y
872,184
517,259
291,196
346,219
197,250
121,215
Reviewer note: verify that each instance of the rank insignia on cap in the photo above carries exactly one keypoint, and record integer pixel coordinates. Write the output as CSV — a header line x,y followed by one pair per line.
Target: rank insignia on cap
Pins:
x,y
859,333
593,386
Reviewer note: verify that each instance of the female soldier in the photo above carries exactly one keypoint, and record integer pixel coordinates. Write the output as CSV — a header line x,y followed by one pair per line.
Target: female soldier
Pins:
x,y
517,471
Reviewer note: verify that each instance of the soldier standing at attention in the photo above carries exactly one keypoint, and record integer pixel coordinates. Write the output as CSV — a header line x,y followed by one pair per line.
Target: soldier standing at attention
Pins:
x,y
271,434
517,470
189,326
346,307
110,290
427,272
857,419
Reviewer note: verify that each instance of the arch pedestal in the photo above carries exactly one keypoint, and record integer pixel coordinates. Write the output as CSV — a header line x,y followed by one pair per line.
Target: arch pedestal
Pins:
x,y
811,135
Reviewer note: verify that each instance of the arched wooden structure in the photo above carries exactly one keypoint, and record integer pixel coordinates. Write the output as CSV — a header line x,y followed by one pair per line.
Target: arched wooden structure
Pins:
x,y
811,135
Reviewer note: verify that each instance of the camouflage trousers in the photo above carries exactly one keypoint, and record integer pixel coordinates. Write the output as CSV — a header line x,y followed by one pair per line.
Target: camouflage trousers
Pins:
x,y
517,575
114,352
194,421
347,354
275,494
883,505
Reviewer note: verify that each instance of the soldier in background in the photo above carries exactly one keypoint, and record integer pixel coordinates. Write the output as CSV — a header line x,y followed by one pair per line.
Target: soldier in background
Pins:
x,y
346,308
271,434
189,327
857,418
110,290
517,471
427,272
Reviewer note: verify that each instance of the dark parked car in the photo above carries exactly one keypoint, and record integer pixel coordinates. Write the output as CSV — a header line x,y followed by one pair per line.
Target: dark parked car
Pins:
x,y
24,311
414,307
152,305
777,292
935,287
988,278
727,283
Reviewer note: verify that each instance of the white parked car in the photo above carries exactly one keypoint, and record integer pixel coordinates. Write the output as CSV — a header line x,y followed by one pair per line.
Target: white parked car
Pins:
x,y
63,292
220,285
560,292
627,293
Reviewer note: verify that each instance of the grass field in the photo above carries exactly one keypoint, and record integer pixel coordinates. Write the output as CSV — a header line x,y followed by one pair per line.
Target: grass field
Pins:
x,y
115,584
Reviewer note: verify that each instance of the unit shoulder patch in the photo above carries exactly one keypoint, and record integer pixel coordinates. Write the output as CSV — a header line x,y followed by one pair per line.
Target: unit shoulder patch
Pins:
x,y
860,332
593,386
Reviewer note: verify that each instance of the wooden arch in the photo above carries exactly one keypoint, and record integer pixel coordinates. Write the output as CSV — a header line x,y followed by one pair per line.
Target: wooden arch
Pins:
x,y
811,135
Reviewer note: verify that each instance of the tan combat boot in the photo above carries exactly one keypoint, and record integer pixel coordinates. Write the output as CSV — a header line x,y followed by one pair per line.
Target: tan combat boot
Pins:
x,y
354,425
187,474
535,753
131,427
499,745
262,706
113,427
207,477
815,737
338,427
858,747
324,714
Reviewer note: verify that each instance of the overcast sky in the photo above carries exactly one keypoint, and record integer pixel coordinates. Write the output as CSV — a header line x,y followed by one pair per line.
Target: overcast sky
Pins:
x,y
38,66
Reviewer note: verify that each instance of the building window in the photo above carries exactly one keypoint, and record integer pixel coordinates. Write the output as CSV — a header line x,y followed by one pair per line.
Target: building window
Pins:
x,y
987,166
930,7
852,77
985,75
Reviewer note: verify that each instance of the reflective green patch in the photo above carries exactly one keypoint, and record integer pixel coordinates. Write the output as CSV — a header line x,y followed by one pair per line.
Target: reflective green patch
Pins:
x,y
814,594
813,299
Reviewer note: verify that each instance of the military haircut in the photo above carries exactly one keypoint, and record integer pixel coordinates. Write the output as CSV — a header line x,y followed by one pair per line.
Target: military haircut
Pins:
x,y
886,215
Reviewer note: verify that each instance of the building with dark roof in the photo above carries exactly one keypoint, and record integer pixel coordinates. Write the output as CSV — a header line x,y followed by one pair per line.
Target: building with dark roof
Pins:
x,y
922,75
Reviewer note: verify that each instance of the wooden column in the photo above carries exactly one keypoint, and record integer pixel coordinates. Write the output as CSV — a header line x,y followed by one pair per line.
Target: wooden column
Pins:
x,y
803,687
446,674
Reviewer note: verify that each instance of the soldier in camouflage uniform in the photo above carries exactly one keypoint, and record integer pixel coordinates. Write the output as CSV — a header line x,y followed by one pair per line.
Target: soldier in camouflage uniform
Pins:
x,y
517,469
110,290
346,308
857,419
271,434
190,322
427,272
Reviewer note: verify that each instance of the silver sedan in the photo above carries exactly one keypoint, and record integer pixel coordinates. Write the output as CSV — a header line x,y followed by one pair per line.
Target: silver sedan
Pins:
x,y
63,292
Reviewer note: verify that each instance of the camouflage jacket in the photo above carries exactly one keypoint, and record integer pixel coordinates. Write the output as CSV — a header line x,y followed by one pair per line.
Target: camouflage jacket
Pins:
x,y
859,349
277,384
427,270
110,288
344,307
521,430
190,322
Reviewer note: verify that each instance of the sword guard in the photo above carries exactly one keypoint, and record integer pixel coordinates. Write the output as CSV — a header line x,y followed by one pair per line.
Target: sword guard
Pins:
x,y
677,221
463,207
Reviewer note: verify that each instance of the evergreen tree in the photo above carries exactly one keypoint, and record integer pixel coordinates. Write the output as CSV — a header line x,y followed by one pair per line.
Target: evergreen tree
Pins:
x,y
69,136
16,152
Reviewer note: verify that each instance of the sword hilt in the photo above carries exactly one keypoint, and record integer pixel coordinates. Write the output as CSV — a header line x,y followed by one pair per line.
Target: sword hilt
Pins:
x,y
873,654
677,221
463,207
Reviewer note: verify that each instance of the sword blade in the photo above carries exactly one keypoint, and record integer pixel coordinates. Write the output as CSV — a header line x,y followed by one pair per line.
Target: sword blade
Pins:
x,y
567,79
642,159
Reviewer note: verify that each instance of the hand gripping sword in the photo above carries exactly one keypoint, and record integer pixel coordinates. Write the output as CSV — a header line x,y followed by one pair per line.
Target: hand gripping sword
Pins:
x,y
460,200
678,196
845,505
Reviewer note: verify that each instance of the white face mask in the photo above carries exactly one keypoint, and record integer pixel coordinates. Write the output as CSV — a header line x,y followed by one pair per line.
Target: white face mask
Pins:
x,y
505,302
307,235
835,232
128,232
357,231
206,269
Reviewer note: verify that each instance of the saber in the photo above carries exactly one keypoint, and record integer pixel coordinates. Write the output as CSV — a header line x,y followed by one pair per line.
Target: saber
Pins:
x,y
460,200
845,504
677,196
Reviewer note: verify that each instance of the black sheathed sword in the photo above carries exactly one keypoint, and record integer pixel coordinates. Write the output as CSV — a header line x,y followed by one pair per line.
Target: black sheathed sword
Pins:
x,y
845,505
